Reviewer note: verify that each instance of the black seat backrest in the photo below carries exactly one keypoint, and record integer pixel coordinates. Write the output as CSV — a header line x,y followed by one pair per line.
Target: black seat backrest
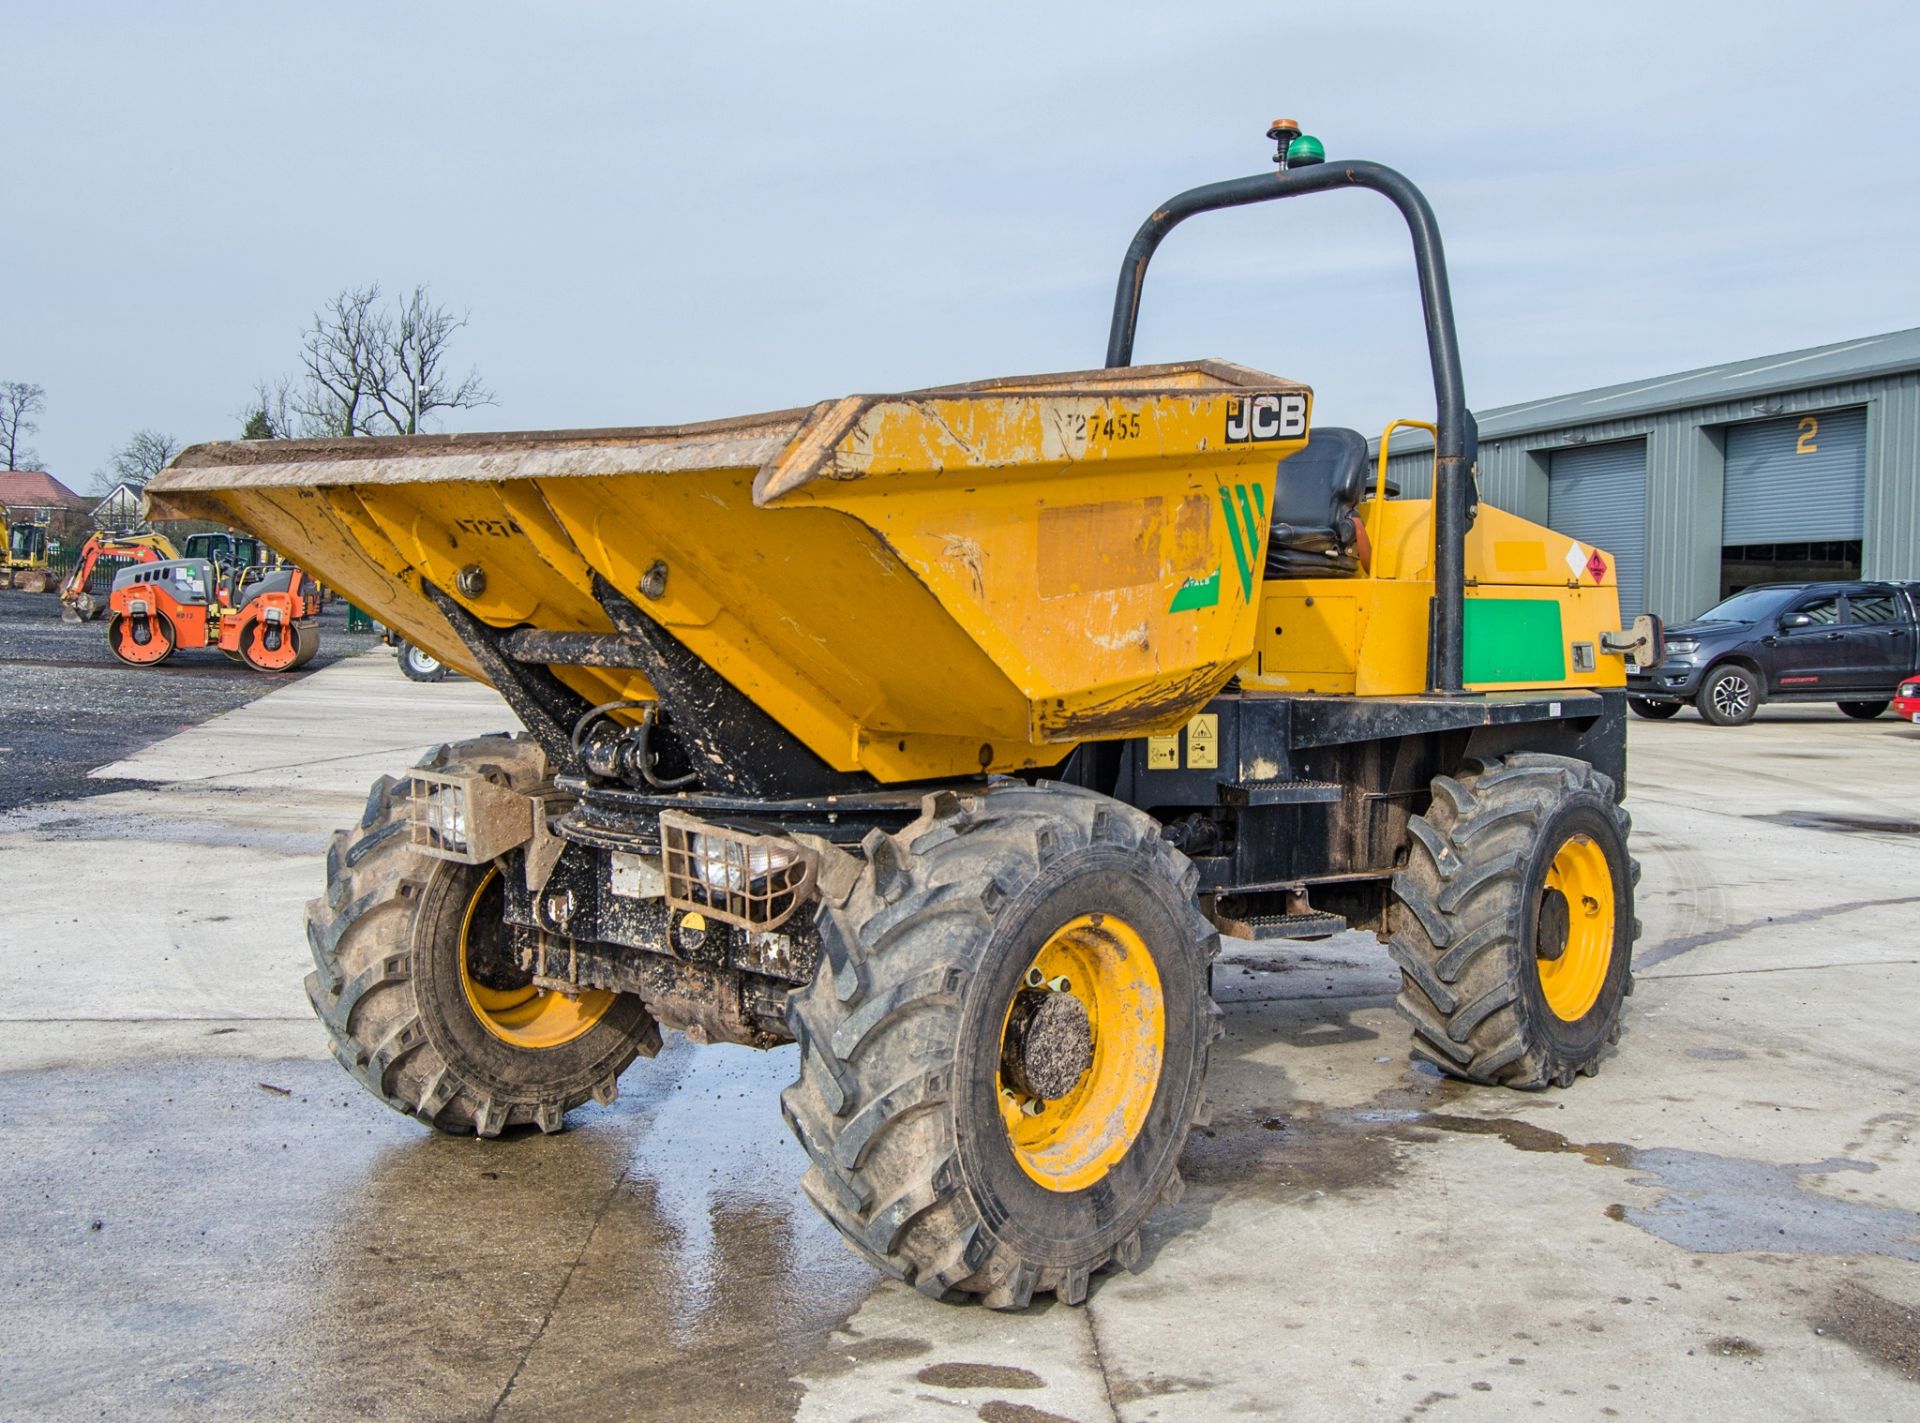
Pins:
x,y
1314,496
278,581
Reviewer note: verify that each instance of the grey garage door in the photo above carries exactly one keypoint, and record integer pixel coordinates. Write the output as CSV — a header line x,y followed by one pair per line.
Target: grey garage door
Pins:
x,y
1798,480
1598,494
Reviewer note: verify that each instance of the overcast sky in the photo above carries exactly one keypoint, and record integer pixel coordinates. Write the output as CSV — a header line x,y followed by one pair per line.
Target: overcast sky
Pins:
x,y
658,213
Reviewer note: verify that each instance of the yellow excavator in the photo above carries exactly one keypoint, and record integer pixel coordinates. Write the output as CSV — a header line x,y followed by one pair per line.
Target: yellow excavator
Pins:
x,y
23,556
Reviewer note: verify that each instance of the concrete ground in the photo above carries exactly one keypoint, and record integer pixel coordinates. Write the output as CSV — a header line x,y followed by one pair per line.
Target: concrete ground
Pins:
x,y
205,1218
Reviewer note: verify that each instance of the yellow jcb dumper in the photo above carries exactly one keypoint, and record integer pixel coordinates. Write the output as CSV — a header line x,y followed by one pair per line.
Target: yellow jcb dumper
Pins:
x,y
944,734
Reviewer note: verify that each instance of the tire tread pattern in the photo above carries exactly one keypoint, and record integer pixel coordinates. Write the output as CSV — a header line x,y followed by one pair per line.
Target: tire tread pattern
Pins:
x,y
1458,911
877,1024
360,932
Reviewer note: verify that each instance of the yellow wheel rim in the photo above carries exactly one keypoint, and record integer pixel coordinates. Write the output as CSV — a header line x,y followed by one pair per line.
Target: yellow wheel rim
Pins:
x,y
527,1017
1572,982
1070,1143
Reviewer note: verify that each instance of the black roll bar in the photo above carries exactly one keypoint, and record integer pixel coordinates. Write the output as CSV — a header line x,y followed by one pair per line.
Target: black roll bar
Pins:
x,y
1457,440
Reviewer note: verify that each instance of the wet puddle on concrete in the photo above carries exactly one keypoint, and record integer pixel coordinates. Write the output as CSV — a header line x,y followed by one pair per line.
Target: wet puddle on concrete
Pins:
x,y
246,1239
1845,824
1707,1204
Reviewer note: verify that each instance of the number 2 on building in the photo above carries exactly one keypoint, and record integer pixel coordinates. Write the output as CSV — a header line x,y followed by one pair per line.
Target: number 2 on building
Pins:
x,y
1809,429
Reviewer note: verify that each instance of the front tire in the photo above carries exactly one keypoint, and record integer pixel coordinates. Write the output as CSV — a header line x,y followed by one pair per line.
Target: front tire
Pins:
x,y
423,1008
1652,710
1729,696
1514,925
1863,711
947,1148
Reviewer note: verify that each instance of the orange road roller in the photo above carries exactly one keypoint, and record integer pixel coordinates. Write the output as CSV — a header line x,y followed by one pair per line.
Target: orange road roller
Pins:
x,y
156,609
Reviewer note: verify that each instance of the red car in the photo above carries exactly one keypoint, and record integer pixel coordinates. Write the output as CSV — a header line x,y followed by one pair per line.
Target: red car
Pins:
x,y
1906,701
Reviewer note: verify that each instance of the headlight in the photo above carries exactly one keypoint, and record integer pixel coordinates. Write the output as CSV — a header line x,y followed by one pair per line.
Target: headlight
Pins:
x,y
1910,689
729,865
1681,647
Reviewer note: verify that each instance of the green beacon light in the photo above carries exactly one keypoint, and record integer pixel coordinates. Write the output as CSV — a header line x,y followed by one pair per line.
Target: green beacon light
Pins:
x,y
1305,151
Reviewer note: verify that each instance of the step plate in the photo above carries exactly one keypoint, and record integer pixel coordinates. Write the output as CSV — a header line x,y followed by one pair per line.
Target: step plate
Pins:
x,y
1279,792
1296,926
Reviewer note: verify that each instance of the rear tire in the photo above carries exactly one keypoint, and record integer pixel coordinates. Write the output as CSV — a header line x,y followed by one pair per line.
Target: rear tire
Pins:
x,y
420,666
1729,695
904,1103
1486,1004
1652,710
391,985
1863,711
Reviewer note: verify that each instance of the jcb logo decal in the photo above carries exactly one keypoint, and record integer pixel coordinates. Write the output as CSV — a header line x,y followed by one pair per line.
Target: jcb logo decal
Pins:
x,y
1252,419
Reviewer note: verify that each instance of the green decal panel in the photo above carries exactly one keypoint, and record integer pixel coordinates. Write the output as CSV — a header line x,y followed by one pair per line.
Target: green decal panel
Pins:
x,y
1197,593
1514,640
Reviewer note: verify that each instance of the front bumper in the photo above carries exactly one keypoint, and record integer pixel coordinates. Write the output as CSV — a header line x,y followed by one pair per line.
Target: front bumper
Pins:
x,y
1671,681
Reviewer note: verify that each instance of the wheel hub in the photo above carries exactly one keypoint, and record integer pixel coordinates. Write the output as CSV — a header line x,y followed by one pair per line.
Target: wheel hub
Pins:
x,y
1080,1052
1551,926
1048,1045
1574,937
504,997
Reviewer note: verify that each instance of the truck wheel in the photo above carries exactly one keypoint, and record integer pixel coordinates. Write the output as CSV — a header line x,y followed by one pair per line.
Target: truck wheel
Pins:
x,y
1651,710
1514,928
420,666
1729,696
424,1006
1004,1048
1863,711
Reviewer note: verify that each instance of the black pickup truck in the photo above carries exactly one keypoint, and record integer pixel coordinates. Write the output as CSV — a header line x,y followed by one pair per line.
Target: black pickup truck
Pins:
x,y
1850,643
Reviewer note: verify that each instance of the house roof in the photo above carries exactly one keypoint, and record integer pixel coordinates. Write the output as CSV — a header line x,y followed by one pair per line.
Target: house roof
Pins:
x,y
1860,359
36,489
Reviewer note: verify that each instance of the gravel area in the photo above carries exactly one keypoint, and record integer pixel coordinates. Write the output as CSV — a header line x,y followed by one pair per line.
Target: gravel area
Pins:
x,y
67,706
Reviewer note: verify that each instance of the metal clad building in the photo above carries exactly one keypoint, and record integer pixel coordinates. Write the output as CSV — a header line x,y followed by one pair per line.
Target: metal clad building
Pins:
x,y
1800,465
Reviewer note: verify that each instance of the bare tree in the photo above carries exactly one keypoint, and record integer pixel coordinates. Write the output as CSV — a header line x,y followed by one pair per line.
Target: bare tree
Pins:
x,y
144,455
338,354
409,366
367,369
20,401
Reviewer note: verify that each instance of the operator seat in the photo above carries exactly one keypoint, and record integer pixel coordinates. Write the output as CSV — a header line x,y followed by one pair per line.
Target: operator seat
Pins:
x,y
1315,533
280,580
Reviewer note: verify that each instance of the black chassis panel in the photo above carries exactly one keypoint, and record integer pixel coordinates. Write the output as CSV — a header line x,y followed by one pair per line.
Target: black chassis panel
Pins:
x,y
1382,753
1369,764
